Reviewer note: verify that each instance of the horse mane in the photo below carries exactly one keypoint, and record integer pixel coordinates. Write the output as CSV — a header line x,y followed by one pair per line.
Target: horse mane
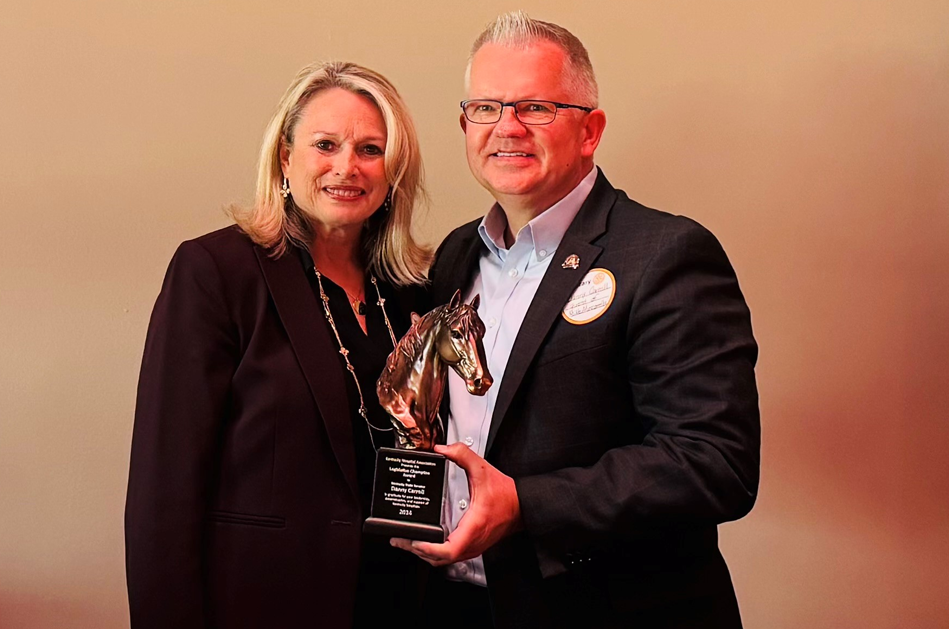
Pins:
x,y
410,343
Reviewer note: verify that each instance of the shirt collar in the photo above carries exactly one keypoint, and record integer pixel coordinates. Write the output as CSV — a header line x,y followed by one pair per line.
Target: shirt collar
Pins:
x,y
546,229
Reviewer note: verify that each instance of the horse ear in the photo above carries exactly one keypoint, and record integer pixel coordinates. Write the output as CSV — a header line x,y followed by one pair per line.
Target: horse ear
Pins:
x,y
476,301
455,300
415,318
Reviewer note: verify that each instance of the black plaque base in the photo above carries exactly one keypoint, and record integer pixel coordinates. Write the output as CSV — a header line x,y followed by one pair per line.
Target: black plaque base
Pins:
x,y
407,495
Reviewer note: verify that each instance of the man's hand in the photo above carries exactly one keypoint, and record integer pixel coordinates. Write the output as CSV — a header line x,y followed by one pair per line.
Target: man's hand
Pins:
x,y
494,512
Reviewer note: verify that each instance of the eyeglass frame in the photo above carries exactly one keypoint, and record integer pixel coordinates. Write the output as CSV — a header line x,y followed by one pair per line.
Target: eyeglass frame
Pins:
x,y
513,105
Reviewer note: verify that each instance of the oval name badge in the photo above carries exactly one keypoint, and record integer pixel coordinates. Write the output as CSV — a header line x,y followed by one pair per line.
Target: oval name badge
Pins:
x,y
592,297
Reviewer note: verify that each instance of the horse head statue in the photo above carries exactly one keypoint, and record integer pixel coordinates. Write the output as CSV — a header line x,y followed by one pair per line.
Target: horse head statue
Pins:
x,y
412,385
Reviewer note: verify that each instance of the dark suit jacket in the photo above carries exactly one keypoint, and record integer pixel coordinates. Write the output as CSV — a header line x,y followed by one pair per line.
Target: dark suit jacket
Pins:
x,y
243,507
629,438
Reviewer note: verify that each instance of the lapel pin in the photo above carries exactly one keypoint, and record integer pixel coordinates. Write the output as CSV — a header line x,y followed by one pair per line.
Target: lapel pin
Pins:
x,y
572,262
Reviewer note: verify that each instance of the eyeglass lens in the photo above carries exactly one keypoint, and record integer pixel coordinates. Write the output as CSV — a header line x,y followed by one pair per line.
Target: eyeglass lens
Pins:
x,y
527,111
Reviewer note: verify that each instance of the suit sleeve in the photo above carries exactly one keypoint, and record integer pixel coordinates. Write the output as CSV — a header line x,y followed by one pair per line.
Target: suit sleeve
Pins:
x,y
690,358
190,356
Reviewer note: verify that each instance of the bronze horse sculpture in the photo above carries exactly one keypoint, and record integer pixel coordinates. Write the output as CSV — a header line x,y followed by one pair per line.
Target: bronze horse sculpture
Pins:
x,y
413,383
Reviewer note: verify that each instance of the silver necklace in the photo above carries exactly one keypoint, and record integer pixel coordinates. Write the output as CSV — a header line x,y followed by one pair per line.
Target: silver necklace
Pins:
x,y
324,298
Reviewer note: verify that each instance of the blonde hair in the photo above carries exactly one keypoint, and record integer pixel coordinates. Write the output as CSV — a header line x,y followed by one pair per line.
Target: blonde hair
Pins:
x,y
518,30
390,251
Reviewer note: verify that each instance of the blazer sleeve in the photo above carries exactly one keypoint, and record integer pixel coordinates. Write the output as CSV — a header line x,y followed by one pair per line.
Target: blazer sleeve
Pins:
x,y
690,358
191,352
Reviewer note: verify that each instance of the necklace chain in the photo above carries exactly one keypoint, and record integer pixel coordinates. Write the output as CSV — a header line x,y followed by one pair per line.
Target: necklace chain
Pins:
x,y
324,298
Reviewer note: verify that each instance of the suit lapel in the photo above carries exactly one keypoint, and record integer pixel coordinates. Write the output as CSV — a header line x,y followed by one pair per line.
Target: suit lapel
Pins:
x,y
552,294
465,257
302,317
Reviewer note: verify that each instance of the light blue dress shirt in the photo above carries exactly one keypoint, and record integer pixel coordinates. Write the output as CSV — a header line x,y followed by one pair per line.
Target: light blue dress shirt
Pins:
x,y
507,281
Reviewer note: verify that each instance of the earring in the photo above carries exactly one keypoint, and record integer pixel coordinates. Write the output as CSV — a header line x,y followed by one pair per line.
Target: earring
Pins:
x,y
285,189
387,204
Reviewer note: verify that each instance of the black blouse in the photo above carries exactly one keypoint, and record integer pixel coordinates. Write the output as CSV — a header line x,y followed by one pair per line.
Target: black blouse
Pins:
x,y
368,352
383,585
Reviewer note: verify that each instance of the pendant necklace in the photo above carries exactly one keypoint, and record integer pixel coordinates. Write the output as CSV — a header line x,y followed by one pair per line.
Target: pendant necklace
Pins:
x,y
324,298
358,305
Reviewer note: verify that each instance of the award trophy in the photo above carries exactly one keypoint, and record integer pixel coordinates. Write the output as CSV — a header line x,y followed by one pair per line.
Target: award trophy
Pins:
x,y
409,488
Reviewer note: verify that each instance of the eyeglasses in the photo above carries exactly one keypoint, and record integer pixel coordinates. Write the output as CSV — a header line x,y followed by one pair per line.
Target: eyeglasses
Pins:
x,y
526,111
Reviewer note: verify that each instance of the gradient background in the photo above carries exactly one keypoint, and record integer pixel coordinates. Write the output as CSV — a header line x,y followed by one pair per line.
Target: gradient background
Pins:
x,y
811,137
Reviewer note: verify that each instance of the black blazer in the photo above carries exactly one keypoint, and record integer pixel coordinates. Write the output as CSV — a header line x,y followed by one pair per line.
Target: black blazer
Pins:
x,y
243,506
629,438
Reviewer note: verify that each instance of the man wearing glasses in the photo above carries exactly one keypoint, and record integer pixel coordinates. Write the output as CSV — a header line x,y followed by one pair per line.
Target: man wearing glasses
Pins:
x,y
623,424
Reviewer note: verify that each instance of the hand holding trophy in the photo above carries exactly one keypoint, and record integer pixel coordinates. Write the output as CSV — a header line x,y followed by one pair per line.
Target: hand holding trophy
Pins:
x,y
409,486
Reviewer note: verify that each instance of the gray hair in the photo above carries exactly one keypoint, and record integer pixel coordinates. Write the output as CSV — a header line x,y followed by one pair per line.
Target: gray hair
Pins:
x,y
518,30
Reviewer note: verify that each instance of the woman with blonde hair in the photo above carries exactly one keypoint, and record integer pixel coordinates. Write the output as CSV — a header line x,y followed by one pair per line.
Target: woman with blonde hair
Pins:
x,y
256,422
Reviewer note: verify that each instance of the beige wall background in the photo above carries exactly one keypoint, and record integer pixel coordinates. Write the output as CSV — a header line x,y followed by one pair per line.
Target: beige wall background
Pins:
x,y
811,137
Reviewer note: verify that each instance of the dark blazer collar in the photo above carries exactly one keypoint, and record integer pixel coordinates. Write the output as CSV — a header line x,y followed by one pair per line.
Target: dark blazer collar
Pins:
x,y
554,290
459,263
302,317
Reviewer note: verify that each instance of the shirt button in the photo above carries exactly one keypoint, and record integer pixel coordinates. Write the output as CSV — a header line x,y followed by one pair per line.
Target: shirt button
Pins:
x,y
468,441
542,253
512,272
462,504
462,568
492,322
